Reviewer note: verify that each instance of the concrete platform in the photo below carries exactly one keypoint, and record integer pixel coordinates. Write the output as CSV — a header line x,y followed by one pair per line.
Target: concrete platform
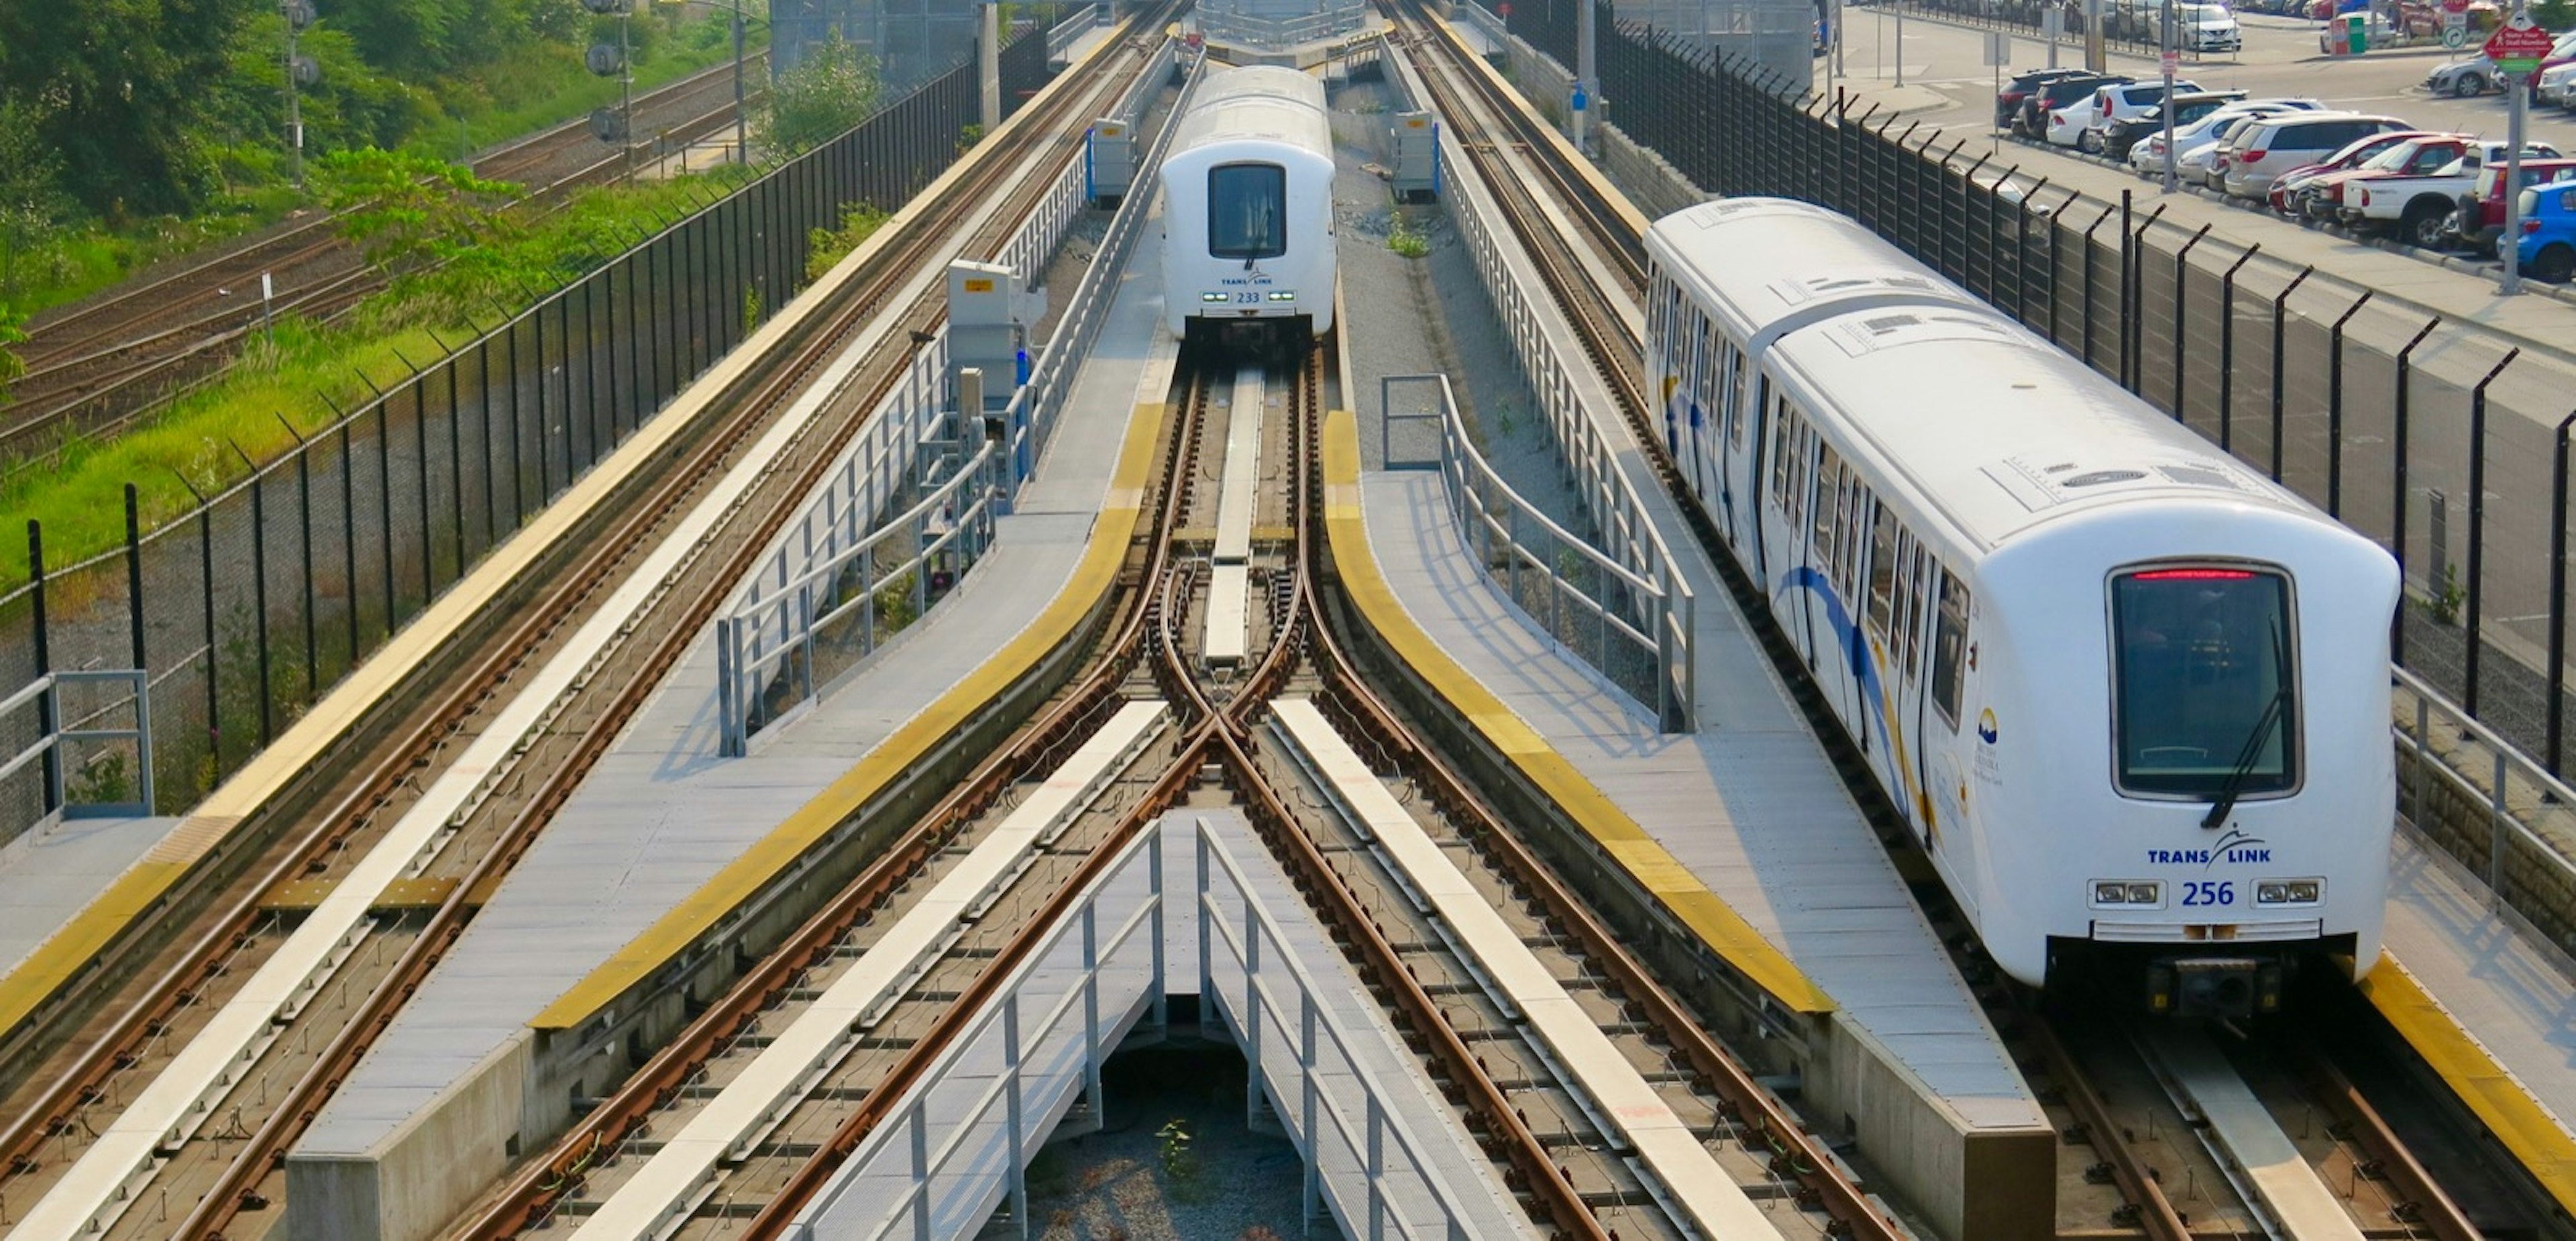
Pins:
x,y
1752,809
454,1089
2491,1008
53,872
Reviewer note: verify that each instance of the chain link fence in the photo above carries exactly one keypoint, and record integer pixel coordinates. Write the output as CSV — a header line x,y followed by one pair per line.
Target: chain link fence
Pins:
x,y
246,610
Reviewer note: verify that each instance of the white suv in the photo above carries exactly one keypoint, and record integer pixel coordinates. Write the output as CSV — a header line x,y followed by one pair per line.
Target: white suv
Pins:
x,y
2274,145
2120,103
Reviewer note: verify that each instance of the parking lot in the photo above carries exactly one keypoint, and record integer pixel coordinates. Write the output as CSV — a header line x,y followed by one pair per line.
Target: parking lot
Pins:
x,y
2280,58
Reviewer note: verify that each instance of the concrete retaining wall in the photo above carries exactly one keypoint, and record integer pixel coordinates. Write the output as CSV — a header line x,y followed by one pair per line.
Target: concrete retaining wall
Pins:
x,y
2457,818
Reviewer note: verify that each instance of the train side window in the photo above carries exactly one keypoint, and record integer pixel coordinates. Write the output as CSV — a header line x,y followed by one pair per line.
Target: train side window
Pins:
x,y
1882,572
1901,609
1950,649
1781,437
1917,560
1853,534
1731,397
1828,509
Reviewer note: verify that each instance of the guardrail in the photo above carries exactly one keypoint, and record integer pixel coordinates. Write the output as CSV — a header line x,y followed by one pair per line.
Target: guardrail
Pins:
x,y
44,694
1062,35
2530,814
846,575
958,1145
1635,629
1030,416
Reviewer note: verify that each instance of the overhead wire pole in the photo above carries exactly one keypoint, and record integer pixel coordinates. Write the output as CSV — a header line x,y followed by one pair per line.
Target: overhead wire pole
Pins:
x,y
2173,179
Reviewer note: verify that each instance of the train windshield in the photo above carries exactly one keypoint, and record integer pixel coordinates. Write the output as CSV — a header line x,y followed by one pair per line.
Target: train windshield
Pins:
x,y
2207,693
1247,211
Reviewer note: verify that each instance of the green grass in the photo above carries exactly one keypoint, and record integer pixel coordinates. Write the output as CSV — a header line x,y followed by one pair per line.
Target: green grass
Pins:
x,y
79,496
538,86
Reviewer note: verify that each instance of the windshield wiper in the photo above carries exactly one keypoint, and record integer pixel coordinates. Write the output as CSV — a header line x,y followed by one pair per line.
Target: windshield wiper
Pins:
x,y
2264,725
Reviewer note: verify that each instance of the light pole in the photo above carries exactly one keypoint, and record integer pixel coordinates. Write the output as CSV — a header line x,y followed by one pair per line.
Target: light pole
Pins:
x,y
621,62
2173,179
741,104
299,71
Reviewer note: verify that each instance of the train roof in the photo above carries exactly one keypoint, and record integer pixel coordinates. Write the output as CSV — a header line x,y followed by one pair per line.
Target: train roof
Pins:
x,y
1997,431
1768,265
1258,103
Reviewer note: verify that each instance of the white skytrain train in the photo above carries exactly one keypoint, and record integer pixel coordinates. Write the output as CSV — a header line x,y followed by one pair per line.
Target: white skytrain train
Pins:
x,y
1248,210
2132,696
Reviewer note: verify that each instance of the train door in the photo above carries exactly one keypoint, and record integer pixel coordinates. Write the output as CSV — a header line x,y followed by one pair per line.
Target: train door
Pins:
x,y
1706,409
1793,480
1815,602
1733,455
1953,664
1851,660
1911,711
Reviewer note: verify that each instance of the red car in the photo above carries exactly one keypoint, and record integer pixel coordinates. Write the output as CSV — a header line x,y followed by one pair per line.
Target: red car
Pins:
x,y
2284,195
2481,217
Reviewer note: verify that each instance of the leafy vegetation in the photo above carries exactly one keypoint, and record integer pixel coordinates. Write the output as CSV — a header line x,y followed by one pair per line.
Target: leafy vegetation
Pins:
x,y
828,246
406,210
826,95
131,130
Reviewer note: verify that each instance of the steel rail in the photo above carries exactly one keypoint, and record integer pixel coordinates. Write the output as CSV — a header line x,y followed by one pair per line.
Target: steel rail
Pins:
x,y
71,1089
565,774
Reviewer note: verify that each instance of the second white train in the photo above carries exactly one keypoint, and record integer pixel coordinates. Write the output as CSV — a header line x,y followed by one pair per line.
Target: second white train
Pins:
x,y
1248,211
2132,696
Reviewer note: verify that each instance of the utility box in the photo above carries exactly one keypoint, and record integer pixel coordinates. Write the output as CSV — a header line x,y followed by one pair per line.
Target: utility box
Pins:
x,y
988,323
1416,142
1109,162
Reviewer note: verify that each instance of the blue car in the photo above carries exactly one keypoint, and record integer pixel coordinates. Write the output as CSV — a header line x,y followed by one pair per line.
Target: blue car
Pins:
x,y
2547,247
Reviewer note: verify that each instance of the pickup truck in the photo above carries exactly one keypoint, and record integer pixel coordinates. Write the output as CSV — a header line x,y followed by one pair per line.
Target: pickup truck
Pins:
x,y
2416,206
2324,197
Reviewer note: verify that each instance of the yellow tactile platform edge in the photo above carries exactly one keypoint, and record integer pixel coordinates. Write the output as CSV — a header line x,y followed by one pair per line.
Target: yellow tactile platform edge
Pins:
x,y
1657,871
2518,1121
753,871
70,949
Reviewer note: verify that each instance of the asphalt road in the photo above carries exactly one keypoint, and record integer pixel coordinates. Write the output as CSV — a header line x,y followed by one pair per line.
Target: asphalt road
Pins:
x,y
2280,58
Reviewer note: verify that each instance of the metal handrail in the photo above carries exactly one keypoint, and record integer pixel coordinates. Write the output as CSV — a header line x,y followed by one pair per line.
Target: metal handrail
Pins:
x,y
46,691
2506,765
1651,610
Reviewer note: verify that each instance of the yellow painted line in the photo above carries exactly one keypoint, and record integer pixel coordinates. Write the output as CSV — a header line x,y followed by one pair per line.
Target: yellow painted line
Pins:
x,y
1657,871
2526,1129
760,865
64,955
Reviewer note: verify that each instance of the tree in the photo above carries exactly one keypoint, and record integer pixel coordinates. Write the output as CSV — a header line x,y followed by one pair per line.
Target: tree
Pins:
x,y
824,96
122,85
407,210
31,200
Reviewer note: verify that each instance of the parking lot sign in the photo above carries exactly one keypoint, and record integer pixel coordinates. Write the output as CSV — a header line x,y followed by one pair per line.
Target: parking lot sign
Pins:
x,y
2519,46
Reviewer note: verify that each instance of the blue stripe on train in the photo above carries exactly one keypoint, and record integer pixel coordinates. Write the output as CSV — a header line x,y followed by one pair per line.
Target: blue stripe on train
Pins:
x,y
1856,653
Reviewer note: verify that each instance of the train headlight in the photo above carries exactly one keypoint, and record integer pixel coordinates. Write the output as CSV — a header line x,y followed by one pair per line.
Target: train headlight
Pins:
x,y
2146,894
2110,893
1212,297
1284,296
2289,891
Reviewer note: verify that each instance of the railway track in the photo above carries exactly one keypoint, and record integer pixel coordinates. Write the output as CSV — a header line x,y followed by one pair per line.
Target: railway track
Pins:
x,y
65,1113
99,366
2334,1166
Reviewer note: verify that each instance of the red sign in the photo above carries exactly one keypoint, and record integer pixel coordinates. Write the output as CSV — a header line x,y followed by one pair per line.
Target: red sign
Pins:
x,y
2519,40
1503,11
2455,6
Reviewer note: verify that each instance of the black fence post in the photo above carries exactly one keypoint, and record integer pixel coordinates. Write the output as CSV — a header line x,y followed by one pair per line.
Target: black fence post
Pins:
x,y
2558,590
259,591
2280,332
349,537
2478,525
2128,255
304,541
44,659
2398,484
2089,249
2334,408
206,596
385,511
134,575
2227,349
2182,314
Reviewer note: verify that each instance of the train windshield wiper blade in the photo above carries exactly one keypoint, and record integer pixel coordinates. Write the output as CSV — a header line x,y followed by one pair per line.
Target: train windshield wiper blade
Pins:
x,y
2254,742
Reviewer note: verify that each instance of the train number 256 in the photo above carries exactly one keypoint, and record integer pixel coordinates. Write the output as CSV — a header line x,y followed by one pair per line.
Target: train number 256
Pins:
x,y
2208,894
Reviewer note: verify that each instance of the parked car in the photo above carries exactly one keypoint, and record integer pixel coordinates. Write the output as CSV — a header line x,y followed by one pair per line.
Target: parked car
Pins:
x,y
2415,205
2032,120
2289,187
2547,247
2120,138
2274,145
2464,79
2479,221
2551,85
2560,53
2422,19
2148,156
2324,198
2118,102
2207,28
2008,100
